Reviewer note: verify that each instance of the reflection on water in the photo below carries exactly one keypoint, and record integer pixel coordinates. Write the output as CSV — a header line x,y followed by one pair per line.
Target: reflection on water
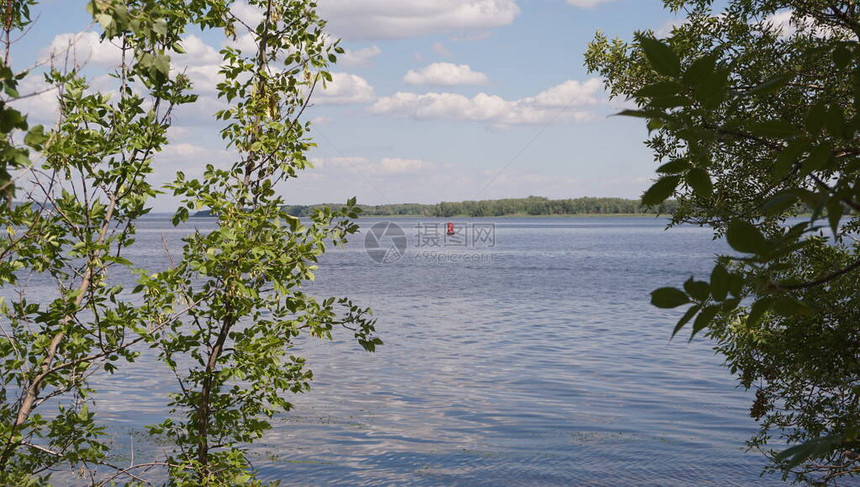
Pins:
x,y
544,365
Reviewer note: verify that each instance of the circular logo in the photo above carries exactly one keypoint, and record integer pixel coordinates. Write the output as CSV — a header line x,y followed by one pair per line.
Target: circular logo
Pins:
x,y
385,242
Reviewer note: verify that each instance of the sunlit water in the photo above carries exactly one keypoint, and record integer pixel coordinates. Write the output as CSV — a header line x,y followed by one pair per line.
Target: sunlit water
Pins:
x,y
539,362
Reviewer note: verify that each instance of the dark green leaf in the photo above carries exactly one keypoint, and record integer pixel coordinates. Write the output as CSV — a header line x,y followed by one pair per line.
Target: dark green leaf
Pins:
x,y
662,88
719,282
661,57
668,297
779,203
700,181
661,190
674,167
771,85
745,237
758,309
712,91
704,319
698,290
834,214
819,158
699,70
808,450
686,318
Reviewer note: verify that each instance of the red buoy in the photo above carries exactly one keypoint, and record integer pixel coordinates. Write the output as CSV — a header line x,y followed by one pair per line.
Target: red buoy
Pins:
x,y
450,228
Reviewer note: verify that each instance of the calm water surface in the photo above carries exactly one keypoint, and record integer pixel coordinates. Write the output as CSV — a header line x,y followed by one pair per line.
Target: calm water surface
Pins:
x,y
541,363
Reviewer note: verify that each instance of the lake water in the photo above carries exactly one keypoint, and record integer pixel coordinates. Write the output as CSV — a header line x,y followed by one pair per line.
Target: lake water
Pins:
x,y
539,361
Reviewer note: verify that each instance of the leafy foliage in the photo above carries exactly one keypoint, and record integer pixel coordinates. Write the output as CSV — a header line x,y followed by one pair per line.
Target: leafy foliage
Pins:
x,y
224,316
750,119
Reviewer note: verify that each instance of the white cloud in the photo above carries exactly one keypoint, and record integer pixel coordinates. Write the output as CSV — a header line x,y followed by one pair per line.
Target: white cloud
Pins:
x,y
344,89
393,165
359,57
40,104
382,19
446,74
383,167
251,16
82,48
441,50
550,105
197,53
571,92
587,3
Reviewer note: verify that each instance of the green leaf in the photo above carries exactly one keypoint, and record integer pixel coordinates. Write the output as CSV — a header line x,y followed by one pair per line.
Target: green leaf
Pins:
x,y
814,120
758,309
834,122
700,181
789,156
699,70
662,58
674,167
664,102
661,190
808,450
669,297
771,85
719,282
779,203
641,113
818,159
36,137
745,237
704,319
698,290
162,65
662,88
791,307
834,214
686,319
712,91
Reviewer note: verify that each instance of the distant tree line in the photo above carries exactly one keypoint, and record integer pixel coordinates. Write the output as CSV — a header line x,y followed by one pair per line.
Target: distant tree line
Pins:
x,y
531,206
540,206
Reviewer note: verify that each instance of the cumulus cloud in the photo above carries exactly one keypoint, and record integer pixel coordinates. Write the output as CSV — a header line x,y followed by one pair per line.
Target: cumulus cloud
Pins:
x,y
359,57
571,92
40,103
197,53
344,89
446,74
382,167
386,19
547,106
250,16
82,48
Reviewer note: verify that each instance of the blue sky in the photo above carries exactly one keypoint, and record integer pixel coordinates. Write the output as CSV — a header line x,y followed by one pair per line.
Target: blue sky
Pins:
x,y
435,100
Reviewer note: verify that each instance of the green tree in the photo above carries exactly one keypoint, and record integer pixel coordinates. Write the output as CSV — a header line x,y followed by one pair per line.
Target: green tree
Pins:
x,y
751,120
244,277
230,307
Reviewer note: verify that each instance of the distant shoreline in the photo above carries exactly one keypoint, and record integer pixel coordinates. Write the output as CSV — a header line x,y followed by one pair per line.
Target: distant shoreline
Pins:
x,y
571,215
414,217
531,207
